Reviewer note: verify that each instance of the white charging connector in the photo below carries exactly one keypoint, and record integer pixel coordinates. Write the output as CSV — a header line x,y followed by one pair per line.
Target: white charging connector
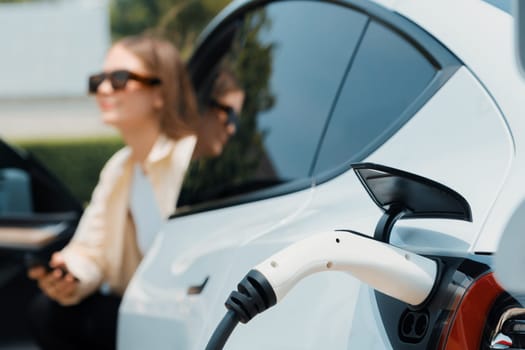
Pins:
x,y
393,271
401,274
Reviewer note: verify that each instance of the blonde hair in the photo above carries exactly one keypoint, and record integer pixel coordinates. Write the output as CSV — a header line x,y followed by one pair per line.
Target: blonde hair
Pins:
x,y
178,116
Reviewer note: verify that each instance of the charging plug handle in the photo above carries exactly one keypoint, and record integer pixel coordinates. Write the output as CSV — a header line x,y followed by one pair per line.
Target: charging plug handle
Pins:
x,y
254,295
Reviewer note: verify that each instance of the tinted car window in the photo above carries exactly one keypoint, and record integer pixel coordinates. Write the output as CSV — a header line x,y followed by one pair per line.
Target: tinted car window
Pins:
x,y
290,59
388,74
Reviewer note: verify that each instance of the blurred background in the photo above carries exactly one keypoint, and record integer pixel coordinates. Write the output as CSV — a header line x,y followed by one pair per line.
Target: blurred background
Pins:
x,y
48,50
49,47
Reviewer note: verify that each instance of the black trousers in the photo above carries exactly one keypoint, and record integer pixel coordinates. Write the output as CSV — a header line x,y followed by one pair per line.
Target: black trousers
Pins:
x,y
91,324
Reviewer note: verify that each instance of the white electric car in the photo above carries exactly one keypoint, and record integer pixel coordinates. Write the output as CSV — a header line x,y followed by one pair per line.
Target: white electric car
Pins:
x,y
347,103
382,140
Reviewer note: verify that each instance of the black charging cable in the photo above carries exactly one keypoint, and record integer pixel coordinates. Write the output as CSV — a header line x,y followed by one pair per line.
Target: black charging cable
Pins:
x,y
254,295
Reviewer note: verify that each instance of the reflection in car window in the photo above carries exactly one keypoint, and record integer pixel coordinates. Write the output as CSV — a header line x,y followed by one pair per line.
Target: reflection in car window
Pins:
x,y
387,76
290,59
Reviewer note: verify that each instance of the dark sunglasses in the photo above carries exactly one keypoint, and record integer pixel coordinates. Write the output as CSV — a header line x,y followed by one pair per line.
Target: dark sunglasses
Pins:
x,y
119,79
233,117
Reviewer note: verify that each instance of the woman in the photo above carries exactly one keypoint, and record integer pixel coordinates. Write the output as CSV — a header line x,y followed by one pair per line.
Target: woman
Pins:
x,y
219,119
145,93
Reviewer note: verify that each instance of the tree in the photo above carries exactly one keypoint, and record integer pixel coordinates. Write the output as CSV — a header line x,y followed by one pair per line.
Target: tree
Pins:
x,y
243,165
178,20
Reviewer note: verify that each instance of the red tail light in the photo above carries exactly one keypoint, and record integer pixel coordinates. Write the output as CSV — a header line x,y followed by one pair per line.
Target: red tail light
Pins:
x,y
465,328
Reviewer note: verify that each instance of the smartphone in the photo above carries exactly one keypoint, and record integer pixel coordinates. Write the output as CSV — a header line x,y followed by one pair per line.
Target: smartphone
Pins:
x,y
33,260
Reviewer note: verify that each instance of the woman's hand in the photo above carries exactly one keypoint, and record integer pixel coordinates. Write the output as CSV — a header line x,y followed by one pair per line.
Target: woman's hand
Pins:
x,y
57,283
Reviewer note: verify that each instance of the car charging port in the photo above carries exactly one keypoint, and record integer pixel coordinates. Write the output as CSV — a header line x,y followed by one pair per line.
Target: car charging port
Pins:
x,y
413,326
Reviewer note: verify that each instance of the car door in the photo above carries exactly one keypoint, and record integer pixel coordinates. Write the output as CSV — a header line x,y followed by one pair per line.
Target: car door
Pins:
x,y
291,71
389,80
37,215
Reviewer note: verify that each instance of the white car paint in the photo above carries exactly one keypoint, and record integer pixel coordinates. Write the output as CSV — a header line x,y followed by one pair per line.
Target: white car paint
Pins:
x,y
481,157
464,27
451,155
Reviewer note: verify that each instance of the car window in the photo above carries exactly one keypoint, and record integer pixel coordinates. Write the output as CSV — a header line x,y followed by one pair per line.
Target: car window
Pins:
x,y
387,76
504,5
290,59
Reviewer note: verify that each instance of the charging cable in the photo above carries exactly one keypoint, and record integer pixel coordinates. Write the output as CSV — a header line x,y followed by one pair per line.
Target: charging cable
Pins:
x,y
401,274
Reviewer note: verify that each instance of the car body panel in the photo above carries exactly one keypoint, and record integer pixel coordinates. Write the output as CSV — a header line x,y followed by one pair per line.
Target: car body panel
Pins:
x,y
465,133
463,137
504,84
224,244
457,157
191,249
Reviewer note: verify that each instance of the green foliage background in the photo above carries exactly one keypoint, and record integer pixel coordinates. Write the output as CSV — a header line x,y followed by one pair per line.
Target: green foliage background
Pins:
x,y
76,162
239,166
178,20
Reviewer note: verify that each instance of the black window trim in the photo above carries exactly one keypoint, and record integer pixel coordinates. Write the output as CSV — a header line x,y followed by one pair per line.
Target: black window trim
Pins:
x,y
267,193
337,96
233,15
445,62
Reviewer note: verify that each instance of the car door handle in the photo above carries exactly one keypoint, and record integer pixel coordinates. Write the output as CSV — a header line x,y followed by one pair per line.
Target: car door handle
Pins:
x,y
197,289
